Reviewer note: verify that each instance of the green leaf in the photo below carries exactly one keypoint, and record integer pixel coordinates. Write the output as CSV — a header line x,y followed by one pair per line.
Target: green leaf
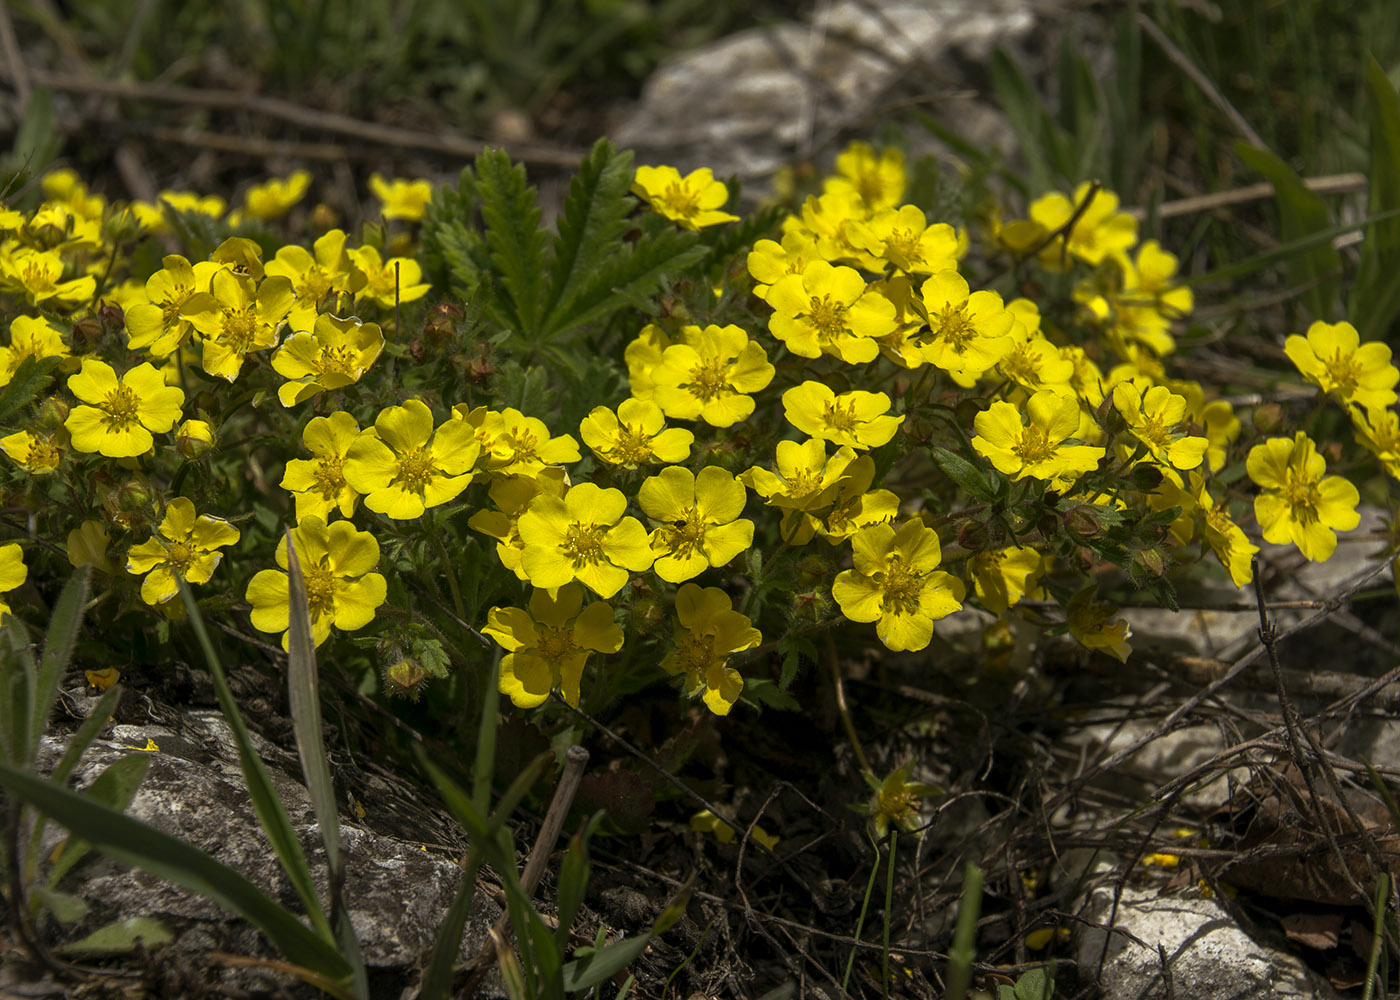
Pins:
x,y
573,881
36,141
65,621
1026,112
1286,251
513,236
65,907
1375,298
147,847
964,473
437,977
630,273
1035,984
30,378
592,965
87,732
272,814
590,228
115,786
18,677
120,938
1301,213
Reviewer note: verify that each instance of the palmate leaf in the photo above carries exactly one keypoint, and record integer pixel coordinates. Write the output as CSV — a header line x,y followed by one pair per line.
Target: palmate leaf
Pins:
x,y
592,224
29,379
631,272
513,237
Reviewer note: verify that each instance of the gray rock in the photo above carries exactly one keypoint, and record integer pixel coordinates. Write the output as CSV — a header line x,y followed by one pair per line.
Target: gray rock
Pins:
x,y
1207,955
398,892
749,103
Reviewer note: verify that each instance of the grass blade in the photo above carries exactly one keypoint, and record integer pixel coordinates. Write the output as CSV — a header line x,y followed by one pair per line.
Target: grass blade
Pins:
x,y
144,846
1375,301
115,787
272,814
965,934
65,621
437,977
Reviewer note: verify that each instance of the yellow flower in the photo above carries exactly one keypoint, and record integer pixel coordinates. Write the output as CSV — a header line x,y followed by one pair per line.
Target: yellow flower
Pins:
x,y
336,568
236,317
1037,447
1299,504
709,377
582,536
275,198
853,505
1333,358
124,410
314,274
513,444
828,309
1226,539
968,332
707,822
157,324
1155,418
858,419
904,238
194,439
896,801
1093,624
30,337
38,276
404,467
697,518
692,201
37,454
399,279
319,484
1002,578
708,632
770,261
548,645
1378,431
333,355
895,583
401,198
635,435
13,572
806,480
642,356
512,496
185,546
877,179
1033,362
1100,232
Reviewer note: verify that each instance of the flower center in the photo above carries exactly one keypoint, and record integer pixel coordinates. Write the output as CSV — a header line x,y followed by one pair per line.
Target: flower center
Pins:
x,y
415,470
708,379
1022,366
315,283
1035,445
38,277
555,644
1302,498
696,653
954,325
839,416
681,200
328,476
180,555
239,328
320,591
584,543
122,406
633,447
828,317
902,585
905,244
1151,432
44,456
1344,371
339,360
684,537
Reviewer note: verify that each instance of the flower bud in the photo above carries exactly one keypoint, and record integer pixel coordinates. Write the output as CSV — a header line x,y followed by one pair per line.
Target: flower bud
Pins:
x,y
404,678
1145,477
1268,417
194,439
1082,522
1151,560
87,331
972,535
52,413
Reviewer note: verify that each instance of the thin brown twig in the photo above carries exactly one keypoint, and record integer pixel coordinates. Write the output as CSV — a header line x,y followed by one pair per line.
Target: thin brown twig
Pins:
x,y
297,114
1184,63
19,73
1326,184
